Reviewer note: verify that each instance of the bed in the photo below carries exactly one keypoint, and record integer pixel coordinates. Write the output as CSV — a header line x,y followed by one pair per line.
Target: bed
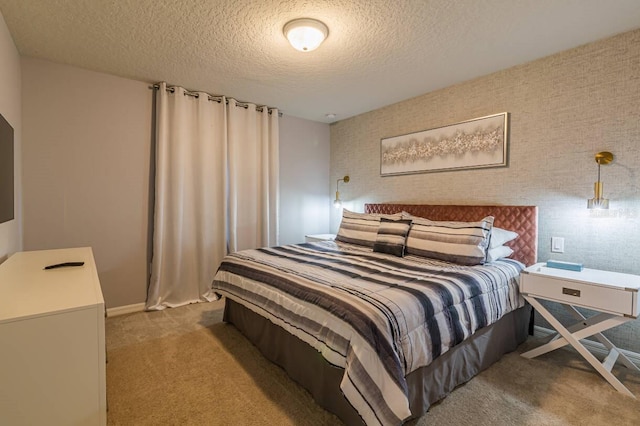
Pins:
x,y
330,314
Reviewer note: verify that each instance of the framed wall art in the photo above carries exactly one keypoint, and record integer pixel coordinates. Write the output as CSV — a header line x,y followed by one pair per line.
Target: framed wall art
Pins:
x,y
472,144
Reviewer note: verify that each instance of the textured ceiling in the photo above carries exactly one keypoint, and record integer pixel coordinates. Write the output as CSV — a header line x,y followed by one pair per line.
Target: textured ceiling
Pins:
x,y
378,51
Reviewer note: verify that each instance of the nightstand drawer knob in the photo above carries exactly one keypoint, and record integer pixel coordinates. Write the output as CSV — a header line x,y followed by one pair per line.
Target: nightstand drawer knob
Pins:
x,y
570,292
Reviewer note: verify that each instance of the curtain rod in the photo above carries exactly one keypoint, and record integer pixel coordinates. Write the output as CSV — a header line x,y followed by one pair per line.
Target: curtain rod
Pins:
x,y
216,98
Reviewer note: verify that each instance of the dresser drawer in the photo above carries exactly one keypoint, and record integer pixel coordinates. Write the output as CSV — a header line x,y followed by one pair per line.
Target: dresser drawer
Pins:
x,y
617,300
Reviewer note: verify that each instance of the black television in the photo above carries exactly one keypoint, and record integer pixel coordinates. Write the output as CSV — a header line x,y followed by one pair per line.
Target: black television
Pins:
x,y
6,171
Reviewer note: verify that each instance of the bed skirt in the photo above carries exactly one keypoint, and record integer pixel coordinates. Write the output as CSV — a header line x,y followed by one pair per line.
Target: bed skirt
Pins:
x,y
427,385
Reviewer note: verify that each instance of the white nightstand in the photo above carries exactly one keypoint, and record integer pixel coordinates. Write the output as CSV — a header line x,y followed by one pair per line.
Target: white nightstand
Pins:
x,y
319,237
613,295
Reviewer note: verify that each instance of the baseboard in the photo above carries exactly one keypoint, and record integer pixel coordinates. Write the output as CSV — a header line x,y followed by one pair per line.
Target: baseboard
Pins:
x,y
127,309
596,348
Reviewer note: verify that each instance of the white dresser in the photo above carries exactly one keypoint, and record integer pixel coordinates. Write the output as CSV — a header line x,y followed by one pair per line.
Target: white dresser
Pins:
x,y
52,342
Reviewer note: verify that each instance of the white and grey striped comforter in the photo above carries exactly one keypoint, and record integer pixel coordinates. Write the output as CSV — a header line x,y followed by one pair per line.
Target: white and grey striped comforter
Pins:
x,y
378,316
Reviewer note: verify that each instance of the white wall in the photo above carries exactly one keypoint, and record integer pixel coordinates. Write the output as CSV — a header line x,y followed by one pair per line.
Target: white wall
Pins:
x,y
304,179
11,110
563,110
87,150
86,153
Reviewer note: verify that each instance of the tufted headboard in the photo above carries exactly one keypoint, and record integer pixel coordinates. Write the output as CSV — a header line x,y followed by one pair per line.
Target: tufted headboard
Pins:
x,y
520,219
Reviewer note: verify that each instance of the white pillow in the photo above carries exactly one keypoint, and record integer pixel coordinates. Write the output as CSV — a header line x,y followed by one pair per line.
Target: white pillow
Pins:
x,y
498,253
501,236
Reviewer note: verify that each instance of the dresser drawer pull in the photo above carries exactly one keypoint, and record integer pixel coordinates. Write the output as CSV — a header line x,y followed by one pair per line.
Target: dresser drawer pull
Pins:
x,y
570,292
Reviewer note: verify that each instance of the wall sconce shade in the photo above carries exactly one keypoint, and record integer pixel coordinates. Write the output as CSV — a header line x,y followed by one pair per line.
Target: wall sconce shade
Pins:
x,y
337,203
598,201
305,34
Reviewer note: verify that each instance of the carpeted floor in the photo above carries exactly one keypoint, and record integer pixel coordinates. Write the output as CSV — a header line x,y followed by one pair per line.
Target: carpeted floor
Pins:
x,y
183,366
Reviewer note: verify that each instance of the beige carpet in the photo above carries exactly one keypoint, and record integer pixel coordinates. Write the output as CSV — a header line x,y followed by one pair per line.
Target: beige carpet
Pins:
x,y
183,366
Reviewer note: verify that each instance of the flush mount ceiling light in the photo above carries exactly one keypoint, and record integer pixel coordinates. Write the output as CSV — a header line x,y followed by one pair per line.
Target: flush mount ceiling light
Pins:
x,y
305,34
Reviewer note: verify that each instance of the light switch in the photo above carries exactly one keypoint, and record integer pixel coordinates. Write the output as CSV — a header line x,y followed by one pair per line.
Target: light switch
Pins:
x,y
557,244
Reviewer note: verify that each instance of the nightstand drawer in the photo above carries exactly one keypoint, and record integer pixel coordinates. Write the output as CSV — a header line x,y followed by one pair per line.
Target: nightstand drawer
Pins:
x,y
617,300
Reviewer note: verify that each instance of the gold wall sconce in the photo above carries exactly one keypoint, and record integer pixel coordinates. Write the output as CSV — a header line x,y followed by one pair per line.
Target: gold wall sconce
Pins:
x,y
598,201
337,203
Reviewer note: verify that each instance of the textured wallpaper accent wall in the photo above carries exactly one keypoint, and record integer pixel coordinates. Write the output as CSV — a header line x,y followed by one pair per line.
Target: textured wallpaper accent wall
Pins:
x,y
563,110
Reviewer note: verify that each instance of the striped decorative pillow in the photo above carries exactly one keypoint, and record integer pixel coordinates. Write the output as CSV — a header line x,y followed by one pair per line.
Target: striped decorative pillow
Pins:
x,y
464,243
361,228
392,235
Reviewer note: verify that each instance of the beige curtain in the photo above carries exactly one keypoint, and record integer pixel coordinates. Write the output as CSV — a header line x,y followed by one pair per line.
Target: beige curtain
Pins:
x,y
253,177
216,189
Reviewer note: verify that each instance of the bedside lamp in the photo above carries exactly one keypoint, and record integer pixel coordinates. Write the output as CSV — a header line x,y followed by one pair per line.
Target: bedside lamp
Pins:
x,y
337,203
598,201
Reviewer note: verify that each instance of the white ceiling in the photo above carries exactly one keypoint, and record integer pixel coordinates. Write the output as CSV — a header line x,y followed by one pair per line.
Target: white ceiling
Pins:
x,y
378,51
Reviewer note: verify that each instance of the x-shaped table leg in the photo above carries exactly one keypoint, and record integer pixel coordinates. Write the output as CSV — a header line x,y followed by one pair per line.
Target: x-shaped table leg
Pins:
x,y
585,328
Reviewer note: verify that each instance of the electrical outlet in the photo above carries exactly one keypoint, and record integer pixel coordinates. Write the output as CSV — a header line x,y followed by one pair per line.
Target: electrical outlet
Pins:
x,y
557,244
